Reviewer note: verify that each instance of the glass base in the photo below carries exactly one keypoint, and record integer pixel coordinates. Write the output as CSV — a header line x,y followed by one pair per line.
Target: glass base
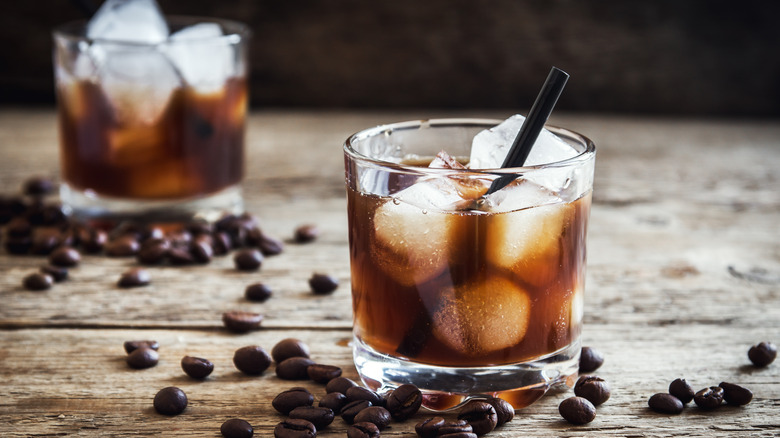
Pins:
x,y
86,205
446,388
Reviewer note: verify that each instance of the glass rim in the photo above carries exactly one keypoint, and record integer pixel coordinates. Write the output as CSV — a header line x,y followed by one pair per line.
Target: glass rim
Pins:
x,y
582,157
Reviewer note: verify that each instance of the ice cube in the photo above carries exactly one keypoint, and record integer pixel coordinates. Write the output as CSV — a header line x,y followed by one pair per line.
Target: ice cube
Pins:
x,y
204,60
138,21
482,317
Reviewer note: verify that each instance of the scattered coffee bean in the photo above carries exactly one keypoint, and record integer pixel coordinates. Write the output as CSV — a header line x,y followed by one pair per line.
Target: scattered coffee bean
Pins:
x,y
142,358
37,281
762,354
459,435
257,292
270,246
480,415
682,390
404,401
221,243
58,274
17,245
323,373
201,251
294,368
504,410
292,398
374,414
363,430
153,253
590,360
306,233
248,260
361,393
38,186
736,395
170,401
352,408
293,428
236,428
577,410
134,278
180,256
65,256
46,239
252,360
196,367
287,348
709,398
241,322
93,240
124,246
323,284
456,426
340,384
593,388
320,417
131,346
665,404
429,428
334,400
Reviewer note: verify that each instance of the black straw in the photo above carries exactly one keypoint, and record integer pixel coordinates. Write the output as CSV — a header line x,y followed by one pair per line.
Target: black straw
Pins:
x,y
532,126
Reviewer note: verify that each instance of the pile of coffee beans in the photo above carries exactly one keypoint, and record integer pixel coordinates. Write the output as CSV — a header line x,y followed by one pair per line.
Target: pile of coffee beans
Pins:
x,y
589,391
709,398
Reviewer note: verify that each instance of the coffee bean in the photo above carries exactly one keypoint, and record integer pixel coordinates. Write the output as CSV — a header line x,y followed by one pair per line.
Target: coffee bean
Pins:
x,y
429,428
38,186
93,240
456,426
248,260
340,384
363,430
270,246
323,373
590,360
153,252
201,251
180,256
374,414
252,360
37,281
665,404
45,215
241,322
134,278
19,227
504,410
361,393
709,398
459,435
257,292
306,233
293,428
196,367
736,395
404,401
170,401
293,368
593,388
57,273
65,256
480,415
142,358
221,243
352,408
682,390
318,416
45,240
287,348
762,354
577,410
131,346
323,284
124,246
236,428
334,400
292,398
17,245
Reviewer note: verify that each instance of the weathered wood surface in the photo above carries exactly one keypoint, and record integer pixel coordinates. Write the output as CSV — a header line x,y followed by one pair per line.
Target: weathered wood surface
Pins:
x,y
683,276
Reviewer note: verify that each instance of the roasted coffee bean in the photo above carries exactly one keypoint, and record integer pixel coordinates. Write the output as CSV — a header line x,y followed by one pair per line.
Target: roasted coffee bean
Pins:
x,y
665,404
124,246
363,430
199,228
682,390
429,428
151,233
221,243
11,207
577,410
323,373
201,251
170,401
142,358
257,292
762,354
134,278
180,256
505,412
45,215
131,346
352,408
404,401
248,260
709,398
37,281
590,360
293,428
361,393
288,400
58,274
293,368
45,240
17,245
319,417
306,233
334,400
455,426
340,384
65,256
736,395
153,253
38,186
19,227
93,240
236,428
287,348
593,388
252,360
270,246
374,414
323,284
196,367
241,322
480,415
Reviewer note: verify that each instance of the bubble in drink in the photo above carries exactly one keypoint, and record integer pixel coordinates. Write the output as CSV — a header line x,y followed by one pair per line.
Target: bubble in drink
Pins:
x,y
139,21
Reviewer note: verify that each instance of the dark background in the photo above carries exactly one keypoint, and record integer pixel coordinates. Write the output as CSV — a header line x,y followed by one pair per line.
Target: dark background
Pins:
x,y
693,57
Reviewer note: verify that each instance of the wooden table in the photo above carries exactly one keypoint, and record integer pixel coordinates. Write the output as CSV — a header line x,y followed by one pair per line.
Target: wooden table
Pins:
x,y
683,277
